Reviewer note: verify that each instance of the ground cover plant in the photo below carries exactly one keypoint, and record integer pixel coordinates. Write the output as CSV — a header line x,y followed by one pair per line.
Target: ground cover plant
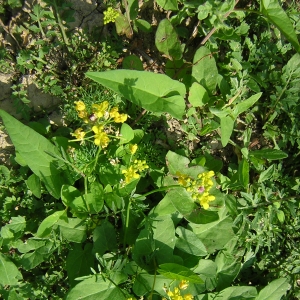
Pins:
x,y
177,174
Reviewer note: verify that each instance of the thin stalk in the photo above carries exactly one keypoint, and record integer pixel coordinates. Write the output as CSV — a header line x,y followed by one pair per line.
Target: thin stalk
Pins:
x,y
60,24
158,190
126,224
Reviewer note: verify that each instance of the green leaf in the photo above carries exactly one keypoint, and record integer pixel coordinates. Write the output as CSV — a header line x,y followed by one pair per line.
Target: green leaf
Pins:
x,y
166,40
235,292
9,273
42,250
176,163
274,290
95,288
73,230
95,199
123,26
104,237
132,62
188,242
214,235
198,95
271,154
32,147
79,262
182,200
143,25
244,105
205,70
227,124
267,174
45,227
178,272
162,95
281,216
244,172
168,4
127,134
275,14
133,7
34,184
73,198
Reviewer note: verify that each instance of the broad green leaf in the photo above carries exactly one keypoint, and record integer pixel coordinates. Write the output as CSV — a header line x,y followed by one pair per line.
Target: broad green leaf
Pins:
x,y
95,288
79,262
176,163
32,147
123,26
198,95
214,235
227,124
34,184
168,4
244,105
274,290
166,40
164,207
244,172
9,273
127,134
271,154
182,200
275,14
205,70
162,95
188,242
144,282
104,237
95,199
178,272
234,293
267,174
132,62
143,26
133,7
71,197
229,267
42,249
164,237
17,224
74,230
45,227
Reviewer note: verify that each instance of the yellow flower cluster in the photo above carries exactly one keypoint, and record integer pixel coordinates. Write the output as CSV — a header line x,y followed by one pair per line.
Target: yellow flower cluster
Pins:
x,y
176,294
132,171
110,15
101,114
199,188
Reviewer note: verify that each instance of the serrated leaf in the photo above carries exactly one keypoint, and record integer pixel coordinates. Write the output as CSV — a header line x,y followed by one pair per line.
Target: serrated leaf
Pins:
x,y
267,174
162,95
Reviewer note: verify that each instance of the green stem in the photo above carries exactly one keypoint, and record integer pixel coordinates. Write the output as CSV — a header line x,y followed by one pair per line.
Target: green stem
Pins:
x,y
126,224
159,190
60,24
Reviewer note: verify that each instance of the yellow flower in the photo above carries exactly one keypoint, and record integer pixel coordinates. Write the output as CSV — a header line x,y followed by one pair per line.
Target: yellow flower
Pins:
x,y
183,284
199,188
118,118
110,15
79,105
188,297
101,138
133,148
99,109
130,173
82,114
79,134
